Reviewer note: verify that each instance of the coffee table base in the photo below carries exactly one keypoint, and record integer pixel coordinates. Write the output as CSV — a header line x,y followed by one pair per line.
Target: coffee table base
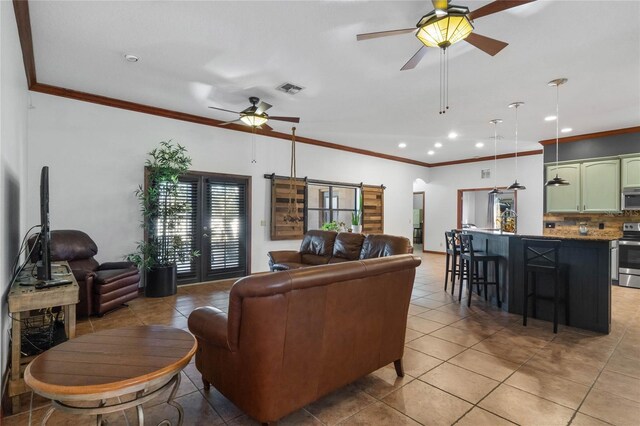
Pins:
x,y
141,398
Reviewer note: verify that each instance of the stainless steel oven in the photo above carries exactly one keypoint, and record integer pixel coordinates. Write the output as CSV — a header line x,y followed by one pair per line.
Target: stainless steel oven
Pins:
x,y
629,256
631,199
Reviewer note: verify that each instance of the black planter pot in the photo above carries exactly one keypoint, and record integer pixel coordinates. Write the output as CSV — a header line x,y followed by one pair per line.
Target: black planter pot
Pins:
x,y
161,281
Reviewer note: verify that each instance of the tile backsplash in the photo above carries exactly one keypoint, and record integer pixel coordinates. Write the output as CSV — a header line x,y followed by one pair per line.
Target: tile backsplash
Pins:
x,y
567,224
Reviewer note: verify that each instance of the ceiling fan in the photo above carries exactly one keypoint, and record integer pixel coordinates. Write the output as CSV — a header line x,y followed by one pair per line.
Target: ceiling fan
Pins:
x,y
448,24
255,115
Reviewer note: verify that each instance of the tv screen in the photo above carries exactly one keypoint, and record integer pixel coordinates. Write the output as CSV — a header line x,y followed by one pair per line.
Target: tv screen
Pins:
x,y
44,264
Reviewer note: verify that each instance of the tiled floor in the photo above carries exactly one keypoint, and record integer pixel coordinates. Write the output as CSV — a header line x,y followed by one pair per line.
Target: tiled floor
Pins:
x,y
468,366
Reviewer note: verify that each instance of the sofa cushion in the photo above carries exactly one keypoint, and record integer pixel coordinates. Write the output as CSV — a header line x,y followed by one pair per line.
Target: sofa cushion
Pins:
x,y
314,259
319,243
285,266
348,245
381,245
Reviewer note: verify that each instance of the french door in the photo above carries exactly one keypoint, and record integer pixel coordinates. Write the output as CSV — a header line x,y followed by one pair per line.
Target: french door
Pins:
x,y
217,225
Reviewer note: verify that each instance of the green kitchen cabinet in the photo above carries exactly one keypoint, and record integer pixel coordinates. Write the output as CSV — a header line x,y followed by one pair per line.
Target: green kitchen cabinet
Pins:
x,y
562,199
631,172
600,186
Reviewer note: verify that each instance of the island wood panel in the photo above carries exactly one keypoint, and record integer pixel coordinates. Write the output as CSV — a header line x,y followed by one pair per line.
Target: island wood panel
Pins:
x,y
373,209
281,193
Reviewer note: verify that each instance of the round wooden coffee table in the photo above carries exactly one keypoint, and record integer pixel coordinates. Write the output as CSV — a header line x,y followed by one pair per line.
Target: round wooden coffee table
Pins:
x,y
108,364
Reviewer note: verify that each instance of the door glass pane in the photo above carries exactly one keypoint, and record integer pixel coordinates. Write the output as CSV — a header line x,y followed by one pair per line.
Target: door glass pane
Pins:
x,y
346,198
226,226
318,197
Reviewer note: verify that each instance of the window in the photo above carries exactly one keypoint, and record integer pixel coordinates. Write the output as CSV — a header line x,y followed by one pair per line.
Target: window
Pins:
x,y
327,203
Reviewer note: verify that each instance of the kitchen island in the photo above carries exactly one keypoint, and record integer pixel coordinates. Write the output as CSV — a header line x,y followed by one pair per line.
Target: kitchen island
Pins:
x,y
588,261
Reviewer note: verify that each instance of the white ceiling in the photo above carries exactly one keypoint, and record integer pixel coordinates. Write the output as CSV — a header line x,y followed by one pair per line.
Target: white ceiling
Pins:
x,y
196,54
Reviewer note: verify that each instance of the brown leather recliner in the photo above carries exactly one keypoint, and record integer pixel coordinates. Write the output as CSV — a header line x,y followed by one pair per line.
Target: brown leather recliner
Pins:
x,y
321,247
292,337
103,287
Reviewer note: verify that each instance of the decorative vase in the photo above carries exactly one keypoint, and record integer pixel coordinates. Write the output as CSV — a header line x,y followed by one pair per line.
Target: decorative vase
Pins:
x,y
356,229
161,281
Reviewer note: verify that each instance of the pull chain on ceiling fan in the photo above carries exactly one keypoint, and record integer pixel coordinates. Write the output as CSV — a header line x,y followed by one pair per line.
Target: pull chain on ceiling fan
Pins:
x,y
444,26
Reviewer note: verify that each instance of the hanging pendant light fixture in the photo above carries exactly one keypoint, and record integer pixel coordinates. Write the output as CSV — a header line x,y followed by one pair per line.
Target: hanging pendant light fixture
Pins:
x,y
495,122
557,181
516,185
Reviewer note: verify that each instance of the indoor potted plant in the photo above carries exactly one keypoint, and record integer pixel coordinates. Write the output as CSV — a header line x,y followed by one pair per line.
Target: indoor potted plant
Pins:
x,y
356,217
161,209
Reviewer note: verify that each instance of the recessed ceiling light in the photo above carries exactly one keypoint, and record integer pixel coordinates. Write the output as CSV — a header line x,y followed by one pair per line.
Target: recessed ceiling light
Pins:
x,y
438,145
402,145
550,118
131,58
453,135
431,152
566,130
479,145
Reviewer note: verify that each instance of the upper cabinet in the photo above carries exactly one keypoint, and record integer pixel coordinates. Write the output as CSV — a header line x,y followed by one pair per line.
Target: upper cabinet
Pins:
x,y
564,198
631,172
601,186
594,186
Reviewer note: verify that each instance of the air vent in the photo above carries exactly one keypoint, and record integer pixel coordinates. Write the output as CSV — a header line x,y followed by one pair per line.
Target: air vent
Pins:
x,y
485,174
289,88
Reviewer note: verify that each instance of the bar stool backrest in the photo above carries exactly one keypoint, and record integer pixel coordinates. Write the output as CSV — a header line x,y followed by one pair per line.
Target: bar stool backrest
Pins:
x,y
450,241
541,253
466,243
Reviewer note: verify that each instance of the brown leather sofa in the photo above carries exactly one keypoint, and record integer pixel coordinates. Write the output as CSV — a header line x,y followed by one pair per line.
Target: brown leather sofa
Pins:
x,y
322,247
103,287
291,337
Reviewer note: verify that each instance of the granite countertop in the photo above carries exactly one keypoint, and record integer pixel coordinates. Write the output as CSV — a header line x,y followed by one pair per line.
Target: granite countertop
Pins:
x,y
573,237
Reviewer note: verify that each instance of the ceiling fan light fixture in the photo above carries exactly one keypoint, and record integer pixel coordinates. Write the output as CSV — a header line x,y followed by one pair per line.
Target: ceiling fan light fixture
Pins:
x,y
254,120
443,31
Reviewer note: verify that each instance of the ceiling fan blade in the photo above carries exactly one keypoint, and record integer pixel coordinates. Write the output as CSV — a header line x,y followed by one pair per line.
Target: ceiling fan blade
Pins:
x,y
486,44
289,119
440,4
222,109
265,126
496,6
228,122
415,59
262,107
368,36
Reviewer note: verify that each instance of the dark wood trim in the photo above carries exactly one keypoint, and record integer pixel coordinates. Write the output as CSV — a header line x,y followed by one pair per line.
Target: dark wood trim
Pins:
x,y
423,211
21,9
487,158
434,252
592,135
206,121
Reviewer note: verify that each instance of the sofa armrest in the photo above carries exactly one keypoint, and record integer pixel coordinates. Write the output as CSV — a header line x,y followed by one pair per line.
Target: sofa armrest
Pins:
x,y
284,256
210,324
116,265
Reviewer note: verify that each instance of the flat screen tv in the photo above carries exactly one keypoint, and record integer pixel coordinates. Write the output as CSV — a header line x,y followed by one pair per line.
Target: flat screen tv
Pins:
x,y
44,261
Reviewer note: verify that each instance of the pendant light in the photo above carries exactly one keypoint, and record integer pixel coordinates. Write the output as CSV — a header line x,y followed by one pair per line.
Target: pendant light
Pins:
x,y
557,181
495,122
516,185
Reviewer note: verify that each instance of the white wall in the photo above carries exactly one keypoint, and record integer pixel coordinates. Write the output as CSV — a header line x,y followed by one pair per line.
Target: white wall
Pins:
x,y
13,141
96,156
443,183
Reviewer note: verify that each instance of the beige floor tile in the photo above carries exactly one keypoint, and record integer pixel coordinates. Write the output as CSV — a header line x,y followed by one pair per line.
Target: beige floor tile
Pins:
x,y
423,325
551,387
416,363
340,404
416,309
569,369
623,365
497,347
197,411
427,404
462,383
379,414
412,335
299,418
619,384
225,408
444,297
465,338
435,347
611,408
440,316
479,324
382,382
584,420
487,365
480,417
524,408
428,303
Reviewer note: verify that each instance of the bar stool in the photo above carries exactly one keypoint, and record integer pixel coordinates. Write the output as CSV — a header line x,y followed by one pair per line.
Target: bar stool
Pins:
x,y
469,262
453,251
541,256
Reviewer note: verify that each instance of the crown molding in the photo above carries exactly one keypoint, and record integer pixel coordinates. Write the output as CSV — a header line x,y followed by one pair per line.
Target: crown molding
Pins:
x,y
487,158
577,138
